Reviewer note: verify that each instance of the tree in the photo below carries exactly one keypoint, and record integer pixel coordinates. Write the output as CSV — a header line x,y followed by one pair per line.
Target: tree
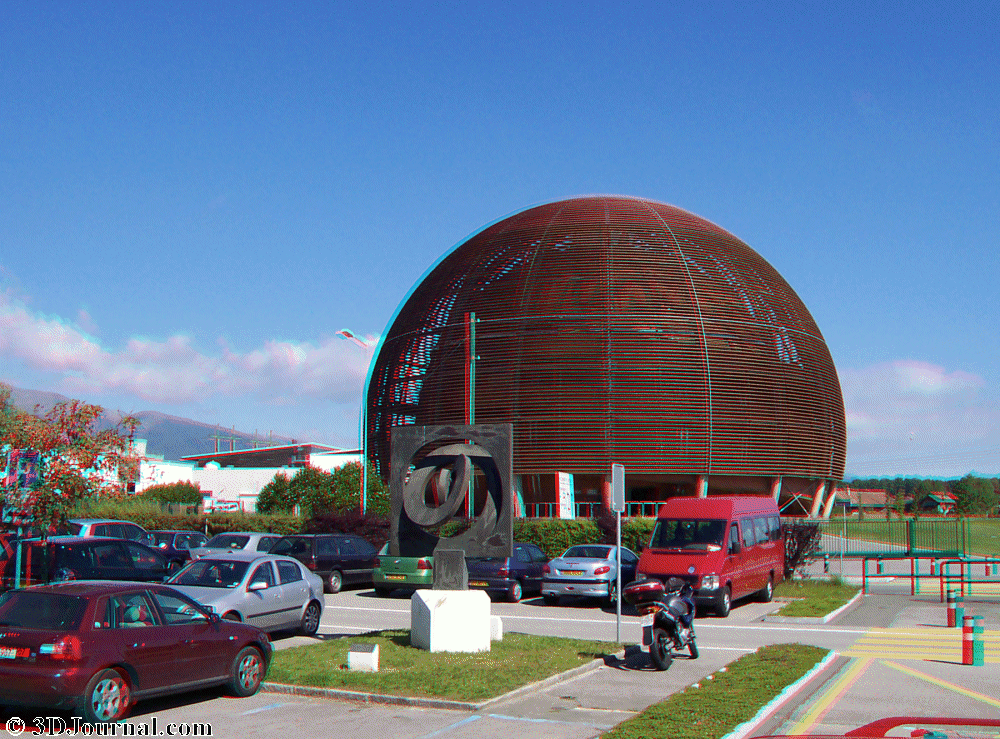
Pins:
x,y
347,481
275,497
975,495
73,460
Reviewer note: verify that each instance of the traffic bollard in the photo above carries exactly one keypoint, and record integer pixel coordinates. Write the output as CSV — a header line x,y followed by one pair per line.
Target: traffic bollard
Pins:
x,y
878,568
959,610
978,646
951,609
967,638
826,563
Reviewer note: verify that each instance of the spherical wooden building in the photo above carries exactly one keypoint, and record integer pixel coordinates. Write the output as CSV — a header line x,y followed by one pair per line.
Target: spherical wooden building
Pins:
x,y
609,330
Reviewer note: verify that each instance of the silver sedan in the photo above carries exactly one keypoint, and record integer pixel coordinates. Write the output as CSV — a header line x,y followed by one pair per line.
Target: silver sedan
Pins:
x,y
588,570
272,592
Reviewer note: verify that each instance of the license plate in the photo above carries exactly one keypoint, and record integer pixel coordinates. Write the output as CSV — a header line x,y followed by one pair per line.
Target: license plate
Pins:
x,y
646,620
12,652
478,584
572,572
395,577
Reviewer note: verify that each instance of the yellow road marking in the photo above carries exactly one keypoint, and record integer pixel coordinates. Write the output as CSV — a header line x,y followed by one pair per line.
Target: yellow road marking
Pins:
x,y
821,706
945,684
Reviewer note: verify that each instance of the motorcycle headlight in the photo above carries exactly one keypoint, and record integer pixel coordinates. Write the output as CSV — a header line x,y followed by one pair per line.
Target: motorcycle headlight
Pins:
x,y
710,582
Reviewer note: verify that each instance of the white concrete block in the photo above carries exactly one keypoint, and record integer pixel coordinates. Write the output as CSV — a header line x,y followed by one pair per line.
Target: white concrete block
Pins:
x,y
363,657
496,628
450,620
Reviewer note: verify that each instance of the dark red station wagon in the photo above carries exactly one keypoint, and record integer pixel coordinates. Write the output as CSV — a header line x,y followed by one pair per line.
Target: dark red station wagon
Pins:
x,y
98,647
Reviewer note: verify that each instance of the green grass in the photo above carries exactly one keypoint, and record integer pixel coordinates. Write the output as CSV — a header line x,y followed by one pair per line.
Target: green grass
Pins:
x,y
517,660
819,597
724,701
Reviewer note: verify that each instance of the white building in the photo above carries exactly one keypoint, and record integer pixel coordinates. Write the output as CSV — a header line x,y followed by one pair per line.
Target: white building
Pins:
x,y
233,479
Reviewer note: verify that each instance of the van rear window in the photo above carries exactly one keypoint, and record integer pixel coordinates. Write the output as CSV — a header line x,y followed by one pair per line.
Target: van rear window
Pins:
x,y
687,533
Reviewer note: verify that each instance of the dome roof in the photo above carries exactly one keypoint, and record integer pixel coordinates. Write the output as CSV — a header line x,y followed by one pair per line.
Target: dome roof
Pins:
x,y
615,329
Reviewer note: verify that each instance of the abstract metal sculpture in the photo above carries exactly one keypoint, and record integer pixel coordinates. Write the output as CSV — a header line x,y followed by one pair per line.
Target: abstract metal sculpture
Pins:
x,y
444,461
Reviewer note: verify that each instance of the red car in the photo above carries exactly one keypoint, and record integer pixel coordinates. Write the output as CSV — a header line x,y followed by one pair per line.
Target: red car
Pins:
x,y
98,647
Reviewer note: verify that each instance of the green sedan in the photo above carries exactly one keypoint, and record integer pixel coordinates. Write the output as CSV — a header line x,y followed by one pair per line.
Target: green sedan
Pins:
x,y
401,572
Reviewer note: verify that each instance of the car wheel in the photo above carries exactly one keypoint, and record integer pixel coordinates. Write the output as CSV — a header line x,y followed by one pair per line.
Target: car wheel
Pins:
x,y
107,697
232,616
612,592
659,650
515,591
550,599
334,582
310,619
247,672
383,592
723,603
767,592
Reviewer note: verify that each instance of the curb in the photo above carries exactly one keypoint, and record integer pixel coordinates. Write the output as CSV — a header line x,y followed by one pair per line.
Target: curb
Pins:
x,y
416,702
812,619
781,699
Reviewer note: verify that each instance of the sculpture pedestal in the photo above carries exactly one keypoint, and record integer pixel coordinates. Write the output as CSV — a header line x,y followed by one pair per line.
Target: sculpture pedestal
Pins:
x,y
450,620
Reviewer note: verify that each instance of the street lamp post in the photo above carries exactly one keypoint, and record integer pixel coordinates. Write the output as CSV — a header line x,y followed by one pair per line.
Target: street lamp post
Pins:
x,y
362,419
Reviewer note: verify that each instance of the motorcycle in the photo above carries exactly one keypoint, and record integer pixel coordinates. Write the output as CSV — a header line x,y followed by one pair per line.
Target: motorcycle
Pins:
x,y
668,612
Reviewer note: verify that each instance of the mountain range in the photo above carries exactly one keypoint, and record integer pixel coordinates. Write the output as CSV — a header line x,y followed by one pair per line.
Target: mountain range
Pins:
x,y
171,437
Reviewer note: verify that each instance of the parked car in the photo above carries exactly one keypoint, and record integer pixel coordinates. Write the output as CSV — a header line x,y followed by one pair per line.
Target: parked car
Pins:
x,y
391,572
273,593
251,541
110,528
510,577
588,570
176,546
85,558
340,559
66,646
727,547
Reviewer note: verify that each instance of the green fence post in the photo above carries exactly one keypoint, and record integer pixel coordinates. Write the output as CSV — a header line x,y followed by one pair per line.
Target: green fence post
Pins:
x,y
978,647
911,537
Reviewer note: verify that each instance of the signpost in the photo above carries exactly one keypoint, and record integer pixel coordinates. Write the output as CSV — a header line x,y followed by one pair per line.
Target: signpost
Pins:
x,y
618,506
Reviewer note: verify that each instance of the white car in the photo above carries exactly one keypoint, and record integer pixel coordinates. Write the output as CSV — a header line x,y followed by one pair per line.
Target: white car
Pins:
x,y
587,570
271,592
231,541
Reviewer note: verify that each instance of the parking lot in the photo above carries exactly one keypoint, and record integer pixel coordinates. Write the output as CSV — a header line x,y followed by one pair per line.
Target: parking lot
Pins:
x,y
884,667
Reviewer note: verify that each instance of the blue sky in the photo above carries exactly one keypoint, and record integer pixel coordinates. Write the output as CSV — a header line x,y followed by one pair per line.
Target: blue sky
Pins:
x,y
195,198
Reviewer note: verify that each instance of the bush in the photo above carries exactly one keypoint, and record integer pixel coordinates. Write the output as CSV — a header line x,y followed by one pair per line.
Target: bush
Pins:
x,y
373,528
186,492
635,531
801,545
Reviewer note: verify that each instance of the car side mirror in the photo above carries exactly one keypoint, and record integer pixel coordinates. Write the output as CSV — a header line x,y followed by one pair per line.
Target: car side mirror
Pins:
x,y
735,548
259,585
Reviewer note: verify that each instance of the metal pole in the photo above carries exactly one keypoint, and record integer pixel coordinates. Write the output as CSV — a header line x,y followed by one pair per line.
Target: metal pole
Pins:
x,y
618,583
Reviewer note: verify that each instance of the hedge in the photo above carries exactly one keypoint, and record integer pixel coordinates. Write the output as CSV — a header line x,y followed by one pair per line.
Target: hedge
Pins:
x,y
552,535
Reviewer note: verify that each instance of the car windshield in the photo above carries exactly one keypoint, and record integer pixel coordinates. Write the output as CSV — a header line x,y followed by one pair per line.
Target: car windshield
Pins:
x,y
27,610
228,541
211,573
74,528
687,533
588,552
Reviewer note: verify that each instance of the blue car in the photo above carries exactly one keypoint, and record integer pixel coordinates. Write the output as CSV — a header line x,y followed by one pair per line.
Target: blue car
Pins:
x,y
509,577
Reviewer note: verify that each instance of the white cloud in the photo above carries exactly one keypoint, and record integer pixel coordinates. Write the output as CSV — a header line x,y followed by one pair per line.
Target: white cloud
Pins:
x,y
909,417
174,371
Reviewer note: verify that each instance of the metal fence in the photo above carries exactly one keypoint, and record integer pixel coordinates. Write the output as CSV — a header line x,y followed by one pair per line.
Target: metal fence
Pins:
x,y
900,538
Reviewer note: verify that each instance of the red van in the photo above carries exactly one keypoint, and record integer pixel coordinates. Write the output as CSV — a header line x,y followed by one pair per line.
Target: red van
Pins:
x,y
727,547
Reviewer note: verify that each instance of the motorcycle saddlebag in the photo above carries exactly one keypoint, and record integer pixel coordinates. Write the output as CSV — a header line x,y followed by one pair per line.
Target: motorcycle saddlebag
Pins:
x,y
642,591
